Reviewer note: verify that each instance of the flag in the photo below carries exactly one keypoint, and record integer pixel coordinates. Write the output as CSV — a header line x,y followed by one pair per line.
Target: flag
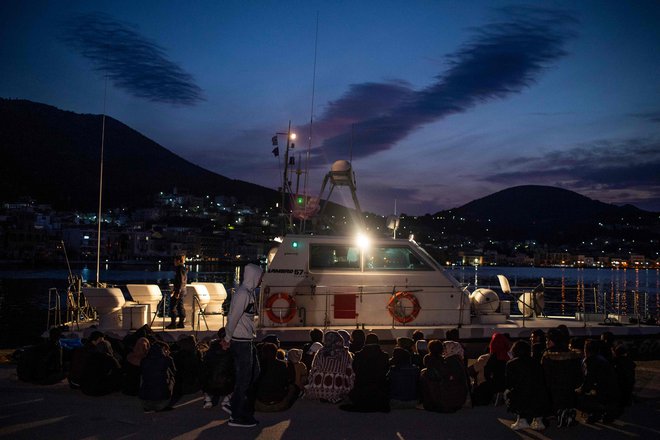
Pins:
x,y
276,151
274,141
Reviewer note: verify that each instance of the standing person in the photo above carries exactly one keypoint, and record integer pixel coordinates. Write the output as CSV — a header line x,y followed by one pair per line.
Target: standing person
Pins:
x,y
178,292
239,339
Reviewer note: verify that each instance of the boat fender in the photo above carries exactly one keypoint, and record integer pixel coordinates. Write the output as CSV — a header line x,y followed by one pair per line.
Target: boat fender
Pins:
x,y
398,310
280,318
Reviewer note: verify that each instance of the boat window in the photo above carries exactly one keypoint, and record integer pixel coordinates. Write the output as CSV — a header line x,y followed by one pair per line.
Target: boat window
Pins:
x,y
334,256
394,258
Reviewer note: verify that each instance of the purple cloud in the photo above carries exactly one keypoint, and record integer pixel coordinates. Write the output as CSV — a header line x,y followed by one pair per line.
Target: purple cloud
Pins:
x,y
130,61
502,58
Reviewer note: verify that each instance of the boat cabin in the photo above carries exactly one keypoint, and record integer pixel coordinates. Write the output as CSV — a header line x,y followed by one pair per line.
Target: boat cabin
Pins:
x,y
316,280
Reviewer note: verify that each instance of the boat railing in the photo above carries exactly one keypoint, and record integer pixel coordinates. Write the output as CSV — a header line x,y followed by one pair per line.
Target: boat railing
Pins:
x,y
594,303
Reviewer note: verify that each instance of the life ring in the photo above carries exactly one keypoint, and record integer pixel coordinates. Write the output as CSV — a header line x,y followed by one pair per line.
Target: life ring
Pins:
x,y
278,317
398,311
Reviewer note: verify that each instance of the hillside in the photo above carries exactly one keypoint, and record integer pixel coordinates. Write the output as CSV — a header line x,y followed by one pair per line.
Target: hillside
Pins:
x,y
53,156
545,214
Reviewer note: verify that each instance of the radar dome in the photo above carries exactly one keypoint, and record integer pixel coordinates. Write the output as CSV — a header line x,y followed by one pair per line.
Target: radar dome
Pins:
x,y
484,301
341,166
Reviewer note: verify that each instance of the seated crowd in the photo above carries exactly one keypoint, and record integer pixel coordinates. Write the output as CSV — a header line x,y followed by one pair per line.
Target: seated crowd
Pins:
x,y
551,377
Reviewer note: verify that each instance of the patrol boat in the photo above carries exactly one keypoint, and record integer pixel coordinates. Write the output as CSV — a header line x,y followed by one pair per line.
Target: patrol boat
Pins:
x,y
323,281
362,282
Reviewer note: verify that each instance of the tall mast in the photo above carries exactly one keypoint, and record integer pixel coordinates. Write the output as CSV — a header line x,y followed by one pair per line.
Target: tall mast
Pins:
x,y
98,217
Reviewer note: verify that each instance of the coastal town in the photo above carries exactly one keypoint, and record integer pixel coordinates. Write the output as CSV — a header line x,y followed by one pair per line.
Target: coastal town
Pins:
x,y
221,229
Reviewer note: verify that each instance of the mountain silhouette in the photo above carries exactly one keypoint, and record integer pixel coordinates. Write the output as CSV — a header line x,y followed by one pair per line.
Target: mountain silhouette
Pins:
x,y
53,156
547,214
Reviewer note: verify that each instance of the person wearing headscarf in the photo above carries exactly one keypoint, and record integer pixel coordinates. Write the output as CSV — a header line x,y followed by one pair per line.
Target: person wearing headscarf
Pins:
x,y
345,336
331,376
488,370
457,386
443,381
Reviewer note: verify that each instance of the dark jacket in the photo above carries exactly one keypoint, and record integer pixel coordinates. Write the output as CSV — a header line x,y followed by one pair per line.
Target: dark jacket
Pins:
x,y
187,360
101,373
370,391
443,384
562,374
274,381
625,374
600,379
158,375
404,382
216,374
525,389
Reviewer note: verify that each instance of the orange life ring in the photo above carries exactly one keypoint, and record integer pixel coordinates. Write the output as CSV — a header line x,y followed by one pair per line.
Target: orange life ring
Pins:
x,y
397,310
276,317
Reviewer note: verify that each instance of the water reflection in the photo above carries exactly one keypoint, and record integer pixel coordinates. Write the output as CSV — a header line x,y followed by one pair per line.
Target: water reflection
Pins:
x,y
608,291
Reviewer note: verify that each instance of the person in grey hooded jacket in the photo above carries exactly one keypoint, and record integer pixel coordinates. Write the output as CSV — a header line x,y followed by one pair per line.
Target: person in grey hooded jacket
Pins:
x,y
239,339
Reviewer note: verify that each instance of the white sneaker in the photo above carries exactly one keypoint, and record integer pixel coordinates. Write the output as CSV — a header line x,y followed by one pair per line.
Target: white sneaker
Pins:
x,y
537,424
521,423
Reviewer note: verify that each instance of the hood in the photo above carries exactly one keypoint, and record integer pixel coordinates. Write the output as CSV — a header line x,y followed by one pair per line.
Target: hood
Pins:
x,y
252,276
295,355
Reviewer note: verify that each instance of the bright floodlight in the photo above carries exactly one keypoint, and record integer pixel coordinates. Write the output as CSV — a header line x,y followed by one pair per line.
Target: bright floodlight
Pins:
x,y
363,241
292,136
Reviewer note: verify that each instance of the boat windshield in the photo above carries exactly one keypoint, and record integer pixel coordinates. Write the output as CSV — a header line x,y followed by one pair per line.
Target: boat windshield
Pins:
x,y
380,257
334,256
393,258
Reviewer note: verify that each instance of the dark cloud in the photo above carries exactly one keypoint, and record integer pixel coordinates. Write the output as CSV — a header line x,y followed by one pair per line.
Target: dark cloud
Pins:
x,y
130,61
601,167
501,59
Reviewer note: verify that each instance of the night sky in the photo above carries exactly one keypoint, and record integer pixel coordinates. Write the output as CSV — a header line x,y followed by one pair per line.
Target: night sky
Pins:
x,y
437,103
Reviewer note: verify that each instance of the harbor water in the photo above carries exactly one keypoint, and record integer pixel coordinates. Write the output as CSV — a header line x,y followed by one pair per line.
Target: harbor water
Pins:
x,y
630,294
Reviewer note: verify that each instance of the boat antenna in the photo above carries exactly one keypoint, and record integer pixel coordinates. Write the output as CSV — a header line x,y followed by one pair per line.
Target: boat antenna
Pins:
x,y
311,119
98,217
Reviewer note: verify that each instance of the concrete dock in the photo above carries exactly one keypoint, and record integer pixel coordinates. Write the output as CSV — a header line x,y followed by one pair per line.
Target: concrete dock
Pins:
x,y
58,412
